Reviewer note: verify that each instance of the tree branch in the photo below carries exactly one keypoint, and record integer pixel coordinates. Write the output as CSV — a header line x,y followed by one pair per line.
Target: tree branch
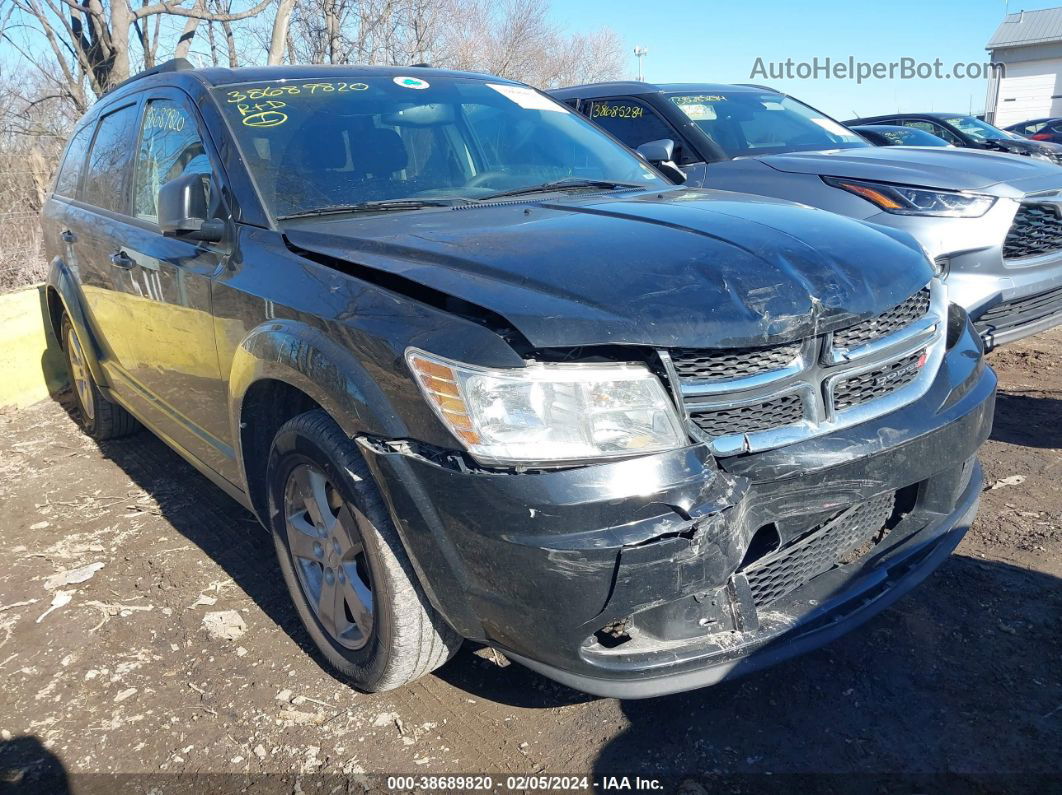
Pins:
x,y
198,13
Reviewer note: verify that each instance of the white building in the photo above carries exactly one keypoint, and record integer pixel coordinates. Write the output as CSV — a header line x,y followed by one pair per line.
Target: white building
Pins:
x,y
1029,45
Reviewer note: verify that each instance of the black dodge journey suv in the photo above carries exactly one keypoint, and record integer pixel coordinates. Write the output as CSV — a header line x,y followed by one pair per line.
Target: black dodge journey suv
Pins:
x,y
483,373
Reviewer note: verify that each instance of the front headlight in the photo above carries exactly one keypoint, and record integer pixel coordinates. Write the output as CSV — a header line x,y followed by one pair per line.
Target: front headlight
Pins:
x,y
905,200
549,413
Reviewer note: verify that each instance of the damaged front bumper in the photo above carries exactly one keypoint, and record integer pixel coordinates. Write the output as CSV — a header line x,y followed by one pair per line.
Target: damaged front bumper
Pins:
x,y
672,571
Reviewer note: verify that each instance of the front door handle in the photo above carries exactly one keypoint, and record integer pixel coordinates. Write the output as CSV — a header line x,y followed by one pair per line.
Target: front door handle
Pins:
x,y
122,260
68,236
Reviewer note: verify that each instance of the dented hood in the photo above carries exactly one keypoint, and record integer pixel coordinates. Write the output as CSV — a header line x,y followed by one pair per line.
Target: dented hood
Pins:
x,y
685,268
931,167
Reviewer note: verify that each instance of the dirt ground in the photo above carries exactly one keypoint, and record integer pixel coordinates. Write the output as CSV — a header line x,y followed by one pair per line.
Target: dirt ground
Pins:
x,y
119,673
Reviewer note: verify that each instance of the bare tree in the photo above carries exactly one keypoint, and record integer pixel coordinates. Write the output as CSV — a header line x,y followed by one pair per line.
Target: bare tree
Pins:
x,y
279,38
34,123
95,34
513,38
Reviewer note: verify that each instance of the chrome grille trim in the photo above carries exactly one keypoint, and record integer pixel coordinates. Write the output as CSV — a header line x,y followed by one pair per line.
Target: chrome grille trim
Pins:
x,y
814,377
921,329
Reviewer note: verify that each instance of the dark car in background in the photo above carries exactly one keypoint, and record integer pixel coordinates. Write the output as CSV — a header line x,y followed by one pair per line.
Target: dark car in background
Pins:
x,y
483,373
990,222
962,129
1049,129
895,135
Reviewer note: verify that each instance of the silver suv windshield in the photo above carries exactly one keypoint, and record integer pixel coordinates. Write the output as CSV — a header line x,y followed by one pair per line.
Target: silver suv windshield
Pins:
x,y
381,143
976,129
745,123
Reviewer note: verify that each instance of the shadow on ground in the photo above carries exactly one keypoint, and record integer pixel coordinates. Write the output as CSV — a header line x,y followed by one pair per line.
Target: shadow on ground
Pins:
x,y
1028,420
27,766
960,676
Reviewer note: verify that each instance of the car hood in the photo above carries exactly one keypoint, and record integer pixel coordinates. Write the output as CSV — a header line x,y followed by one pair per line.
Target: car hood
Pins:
x,y
952,169
683,268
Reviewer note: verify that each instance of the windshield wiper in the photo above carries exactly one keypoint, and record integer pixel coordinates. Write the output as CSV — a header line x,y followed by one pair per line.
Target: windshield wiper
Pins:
x,y
380,205
571,183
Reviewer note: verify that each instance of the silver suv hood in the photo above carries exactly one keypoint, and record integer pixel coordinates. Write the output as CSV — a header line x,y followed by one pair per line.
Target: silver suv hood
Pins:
x,y
951,169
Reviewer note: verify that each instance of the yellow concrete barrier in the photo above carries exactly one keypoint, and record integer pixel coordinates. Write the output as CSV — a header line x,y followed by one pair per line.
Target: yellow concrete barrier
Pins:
x,y
31,364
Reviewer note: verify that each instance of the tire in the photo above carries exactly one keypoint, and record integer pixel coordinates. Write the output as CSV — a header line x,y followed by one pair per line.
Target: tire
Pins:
x,y
98,417
334,535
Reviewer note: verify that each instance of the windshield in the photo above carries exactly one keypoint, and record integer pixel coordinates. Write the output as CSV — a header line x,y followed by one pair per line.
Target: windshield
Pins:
x,y
315,145
905,136
748,123
975,128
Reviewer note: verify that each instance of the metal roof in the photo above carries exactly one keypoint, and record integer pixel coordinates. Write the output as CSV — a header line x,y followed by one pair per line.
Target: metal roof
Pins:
x,y
1027,27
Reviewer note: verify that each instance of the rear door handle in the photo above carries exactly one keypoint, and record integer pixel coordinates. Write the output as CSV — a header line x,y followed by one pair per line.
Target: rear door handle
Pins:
x,y
122,260
68,236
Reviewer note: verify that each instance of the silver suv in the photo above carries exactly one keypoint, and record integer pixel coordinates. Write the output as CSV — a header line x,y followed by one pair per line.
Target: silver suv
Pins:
x,y
992,223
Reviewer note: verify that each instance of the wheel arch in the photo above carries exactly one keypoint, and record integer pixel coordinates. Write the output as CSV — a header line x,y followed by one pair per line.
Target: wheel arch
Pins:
x,y
64,297
284,368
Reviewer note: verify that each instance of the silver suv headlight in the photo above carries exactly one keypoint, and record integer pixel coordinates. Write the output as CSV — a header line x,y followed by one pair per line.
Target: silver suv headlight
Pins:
x,y
907,200
549,413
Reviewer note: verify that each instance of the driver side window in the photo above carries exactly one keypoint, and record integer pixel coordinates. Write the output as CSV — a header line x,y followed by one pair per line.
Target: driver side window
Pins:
x,y
170,147
631,121
932,129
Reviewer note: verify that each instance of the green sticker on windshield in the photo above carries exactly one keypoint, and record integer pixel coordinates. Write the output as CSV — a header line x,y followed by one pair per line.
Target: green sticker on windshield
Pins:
x,y
411,82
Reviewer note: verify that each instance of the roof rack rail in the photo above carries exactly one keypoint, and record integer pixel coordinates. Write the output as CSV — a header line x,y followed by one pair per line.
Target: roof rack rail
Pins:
x,y
173,65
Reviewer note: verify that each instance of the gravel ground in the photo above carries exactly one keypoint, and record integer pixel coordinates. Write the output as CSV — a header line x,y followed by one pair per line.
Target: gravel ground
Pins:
x,y
179,655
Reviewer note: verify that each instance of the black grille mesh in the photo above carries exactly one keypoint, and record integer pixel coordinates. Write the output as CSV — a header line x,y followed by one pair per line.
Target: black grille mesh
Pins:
x,y
1020,312
886,323
774,413
782,572
720,365
1036,229
877,383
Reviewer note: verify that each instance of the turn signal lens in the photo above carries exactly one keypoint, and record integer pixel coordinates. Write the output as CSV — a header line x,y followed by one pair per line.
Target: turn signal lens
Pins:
x,y
439,384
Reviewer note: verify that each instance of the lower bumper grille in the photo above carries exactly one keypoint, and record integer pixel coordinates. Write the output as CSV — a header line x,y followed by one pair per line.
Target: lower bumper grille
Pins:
x,y
1036,229
782,572
1020,312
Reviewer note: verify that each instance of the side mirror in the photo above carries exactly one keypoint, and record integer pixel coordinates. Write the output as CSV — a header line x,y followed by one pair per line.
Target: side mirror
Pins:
x,y
659,153
183,206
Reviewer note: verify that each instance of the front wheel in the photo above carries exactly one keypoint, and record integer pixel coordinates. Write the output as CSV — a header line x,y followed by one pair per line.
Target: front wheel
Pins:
x,y
346,569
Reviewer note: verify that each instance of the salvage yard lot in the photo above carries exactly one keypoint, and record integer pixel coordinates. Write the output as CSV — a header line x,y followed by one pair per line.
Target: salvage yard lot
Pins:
x,y
181,654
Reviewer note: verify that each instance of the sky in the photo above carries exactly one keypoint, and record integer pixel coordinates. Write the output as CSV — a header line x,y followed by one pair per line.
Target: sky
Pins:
x,y
712,41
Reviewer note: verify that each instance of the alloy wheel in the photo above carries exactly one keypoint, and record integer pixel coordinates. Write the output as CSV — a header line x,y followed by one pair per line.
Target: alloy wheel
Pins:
x,y
325,540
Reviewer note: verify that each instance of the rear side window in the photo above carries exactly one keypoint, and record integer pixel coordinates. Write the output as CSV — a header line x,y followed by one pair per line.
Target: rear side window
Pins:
x,y
933,129
66,182
108,161
170,147
633,122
